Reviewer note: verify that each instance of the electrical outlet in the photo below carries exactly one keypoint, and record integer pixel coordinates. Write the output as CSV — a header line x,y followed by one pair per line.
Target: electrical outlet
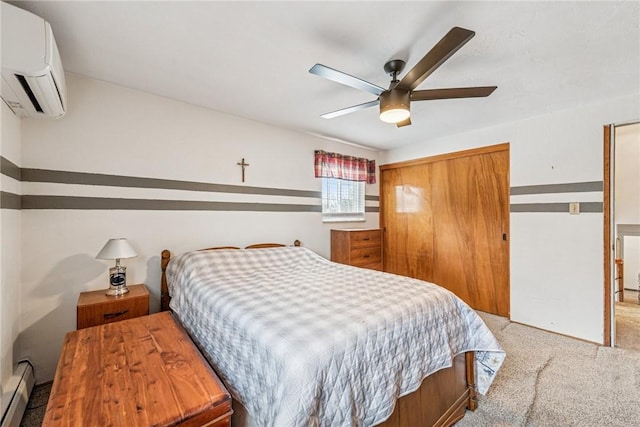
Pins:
x,y
574,208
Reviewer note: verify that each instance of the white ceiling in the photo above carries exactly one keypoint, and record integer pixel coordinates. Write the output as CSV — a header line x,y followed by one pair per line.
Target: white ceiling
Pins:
x,y
251,59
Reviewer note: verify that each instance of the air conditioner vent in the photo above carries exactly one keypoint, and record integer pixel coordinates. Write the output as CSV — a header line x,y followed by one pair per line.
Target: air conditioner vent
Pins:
x,y
29,92
33,82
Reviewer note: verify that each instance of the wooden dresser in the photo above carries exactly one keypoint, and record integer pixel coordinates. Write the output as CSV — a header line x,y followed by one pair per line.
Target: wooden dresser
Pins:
x,y
139,372
95,308
358,247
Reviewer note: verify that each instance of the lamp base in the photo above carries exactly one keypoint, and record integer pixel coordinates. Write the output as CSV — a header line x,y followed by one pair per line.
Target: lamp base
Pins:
x,y
116,291
117,280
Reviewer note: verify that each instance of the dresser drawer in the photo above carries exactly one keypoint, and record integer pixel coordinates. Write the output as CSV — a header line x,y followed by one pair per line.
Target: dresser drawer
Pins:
x,y
365,239
364,256
110,312
95,308
375,266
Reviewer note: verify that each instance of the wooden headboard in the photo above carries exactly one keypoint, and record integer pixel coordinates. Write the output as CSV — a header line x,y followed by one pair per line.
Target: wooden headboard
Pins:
x,y
165,257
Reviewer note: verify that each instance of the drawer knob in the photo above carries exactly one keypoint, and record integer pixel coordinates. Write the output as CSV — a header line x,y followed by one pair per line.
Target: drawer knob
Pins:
x,y
116,314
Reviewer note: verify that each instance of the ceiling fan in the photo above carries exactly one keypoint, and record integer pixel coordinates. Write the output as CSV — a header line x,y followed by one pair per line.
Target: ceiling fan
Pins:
x,y
395,102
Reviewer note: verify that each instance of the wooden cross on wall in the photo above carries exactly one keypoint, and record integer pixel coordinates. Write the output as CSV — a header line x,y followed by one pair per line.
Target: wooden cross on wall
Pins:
x,y
244,165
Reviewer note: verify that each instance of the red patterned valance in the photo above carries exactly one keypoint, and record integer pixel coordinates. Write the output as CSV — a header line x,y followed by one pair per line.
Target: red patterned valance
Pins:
x,y
334,165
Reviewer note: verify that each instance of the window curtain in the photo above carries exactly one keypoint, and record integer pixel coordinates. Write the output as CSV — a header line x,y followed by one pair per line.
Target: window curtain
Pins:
x,y
334,165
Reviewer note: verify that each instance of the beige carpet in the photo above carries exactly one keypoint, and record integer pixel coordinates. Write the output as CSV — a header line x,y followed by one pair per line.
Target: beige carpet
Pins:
x,y
552,380
34,413
628,322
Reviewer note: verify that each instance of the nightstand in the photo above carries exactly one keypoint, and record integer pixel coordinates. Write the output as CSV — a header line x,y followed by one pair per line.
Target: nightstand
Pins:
x,y
95,308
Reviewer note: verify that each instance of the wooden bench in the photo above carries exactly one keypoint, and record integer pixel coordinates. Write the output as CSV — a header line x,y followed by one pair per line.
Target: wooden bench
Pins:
x,y
138,372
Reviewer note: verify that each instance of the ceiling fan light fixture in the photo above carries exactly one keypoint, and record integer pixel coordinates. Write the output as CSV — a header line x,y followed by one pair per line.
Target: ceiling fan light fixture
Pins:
x,y
395,115
394,106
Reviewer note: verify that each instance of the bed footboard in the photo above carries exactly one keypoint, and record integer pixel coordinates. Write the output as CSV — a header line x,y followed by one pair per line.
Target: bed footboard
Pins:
x,y
441,400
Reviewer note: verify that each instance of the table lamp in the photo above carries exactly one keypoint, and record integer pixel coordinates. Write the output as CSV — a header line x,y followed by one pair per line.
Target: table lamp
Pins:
x,y
117,249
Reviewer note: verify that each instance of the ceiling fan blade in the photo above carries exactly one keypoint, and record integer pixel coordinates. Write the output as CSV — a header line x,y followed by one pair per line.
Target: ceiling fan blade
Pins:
x,y
345,79
348,110
447,46
458,92
405,122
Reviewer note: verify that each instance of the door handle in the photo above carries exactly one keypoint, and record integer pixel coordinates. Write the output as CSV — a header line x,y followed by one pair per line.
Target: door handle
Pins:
x,y
114,315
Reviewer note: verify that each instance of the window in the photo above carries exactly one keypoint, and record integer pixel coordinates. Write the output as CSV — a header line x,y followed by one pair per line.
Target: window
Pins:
x,y
343,185
342,200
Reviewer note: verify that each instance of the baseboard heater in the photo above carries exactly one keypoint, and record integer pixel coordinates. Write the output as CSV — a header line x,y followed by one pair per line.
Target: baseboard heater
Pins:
x,y
14,412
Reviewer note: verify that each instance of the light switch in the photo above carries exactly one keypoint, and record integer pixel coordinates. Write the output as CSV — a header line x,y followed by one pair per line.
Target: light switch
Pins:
x,y
574,208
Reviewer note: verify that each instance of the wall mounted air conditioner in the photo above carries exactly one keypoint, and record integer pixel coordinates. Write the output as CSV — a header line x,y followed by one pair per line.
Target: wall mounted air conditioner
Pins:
x,y
32,76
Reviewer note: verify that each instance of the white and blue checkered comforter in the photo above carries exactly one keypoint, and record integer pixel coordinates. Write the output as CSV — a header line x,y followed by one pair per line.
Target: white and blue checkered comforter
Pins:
x,y
302,341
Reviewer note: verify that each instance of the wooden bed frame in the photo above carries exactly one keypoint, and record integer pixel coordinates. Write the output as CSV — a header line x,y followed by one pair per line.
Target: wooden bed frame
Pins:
x,y
441,400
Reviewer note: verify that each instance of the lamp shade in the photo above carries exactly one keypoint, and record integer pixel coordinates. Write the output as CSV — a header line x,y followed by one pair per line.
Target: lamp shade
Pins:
x,y
117,249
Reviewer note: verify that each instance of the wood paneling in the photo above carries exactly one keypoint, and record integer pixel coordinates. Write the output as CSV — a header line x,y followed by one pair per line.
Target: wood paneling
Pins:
x,y
446,220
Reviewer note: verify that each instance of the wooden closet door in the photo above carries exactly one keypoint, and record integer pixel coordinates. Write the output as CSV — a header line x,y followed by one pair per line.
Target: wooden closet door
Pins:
x,y
405,217
470,222
457,236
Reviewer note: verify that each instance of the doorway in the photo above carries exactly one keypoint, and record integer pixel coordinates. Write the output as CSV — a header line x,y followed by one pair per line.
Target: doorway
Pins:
x,y
622,234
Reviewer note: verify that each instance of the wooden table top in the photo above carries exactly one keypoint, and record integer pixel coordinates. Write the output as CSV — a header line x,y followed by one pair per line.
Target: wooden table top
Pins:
x,y
137,372
100,296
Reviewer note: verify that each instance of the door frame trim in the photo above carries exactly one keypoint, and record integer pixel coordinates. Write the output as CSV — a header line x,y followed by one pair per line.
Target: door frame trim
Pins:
x,y
448,156
607,200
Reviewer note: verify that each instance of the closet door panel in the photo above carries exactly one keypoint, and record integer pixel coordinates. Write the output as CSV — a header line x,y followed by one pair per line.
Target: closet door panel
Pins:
x,y
469,223
407,222
453,242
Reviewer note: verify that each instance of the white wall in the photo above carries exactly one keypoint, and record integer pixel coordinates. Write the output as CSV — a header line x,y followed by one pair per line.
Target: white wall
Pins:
x,y
631,262
627,197
113,130
557,272
9,260
627,174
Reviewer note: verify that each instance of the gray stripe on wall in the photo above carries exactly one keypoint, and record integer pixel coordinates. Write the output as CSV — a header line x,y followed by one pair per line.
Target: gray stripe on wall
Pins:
x,y
585,207
83,178
9,200
10,169
106,203
63,177
572,187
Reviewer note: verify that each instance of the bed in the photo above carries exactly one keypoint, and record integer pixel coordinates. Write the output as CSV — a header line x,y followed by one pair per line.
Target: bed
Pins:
x,y
301,341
